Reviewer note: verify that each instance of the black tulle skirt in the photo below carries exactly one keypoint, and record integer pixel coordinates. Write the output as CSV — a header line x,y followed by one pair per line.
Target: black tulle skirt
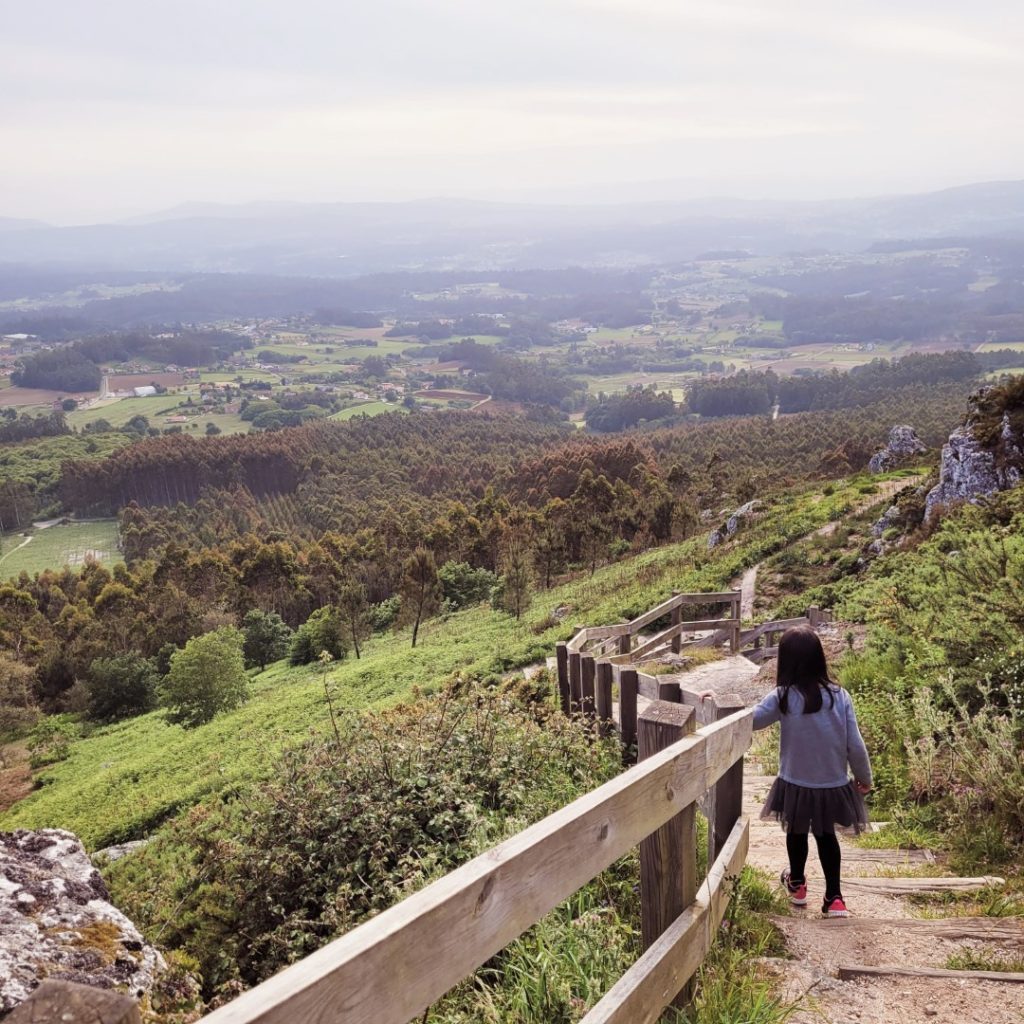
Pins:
x,y
821,811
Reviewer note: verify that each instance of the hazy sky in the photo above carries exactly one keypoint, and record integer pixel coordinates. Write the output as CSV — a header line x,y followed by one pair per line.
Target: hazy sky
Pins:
x,y
110,108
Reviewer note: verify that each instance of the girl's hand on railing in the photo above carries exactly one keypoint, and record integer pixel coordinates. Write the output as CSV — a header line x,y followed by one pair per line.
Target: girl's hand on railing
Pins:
x,y
706,694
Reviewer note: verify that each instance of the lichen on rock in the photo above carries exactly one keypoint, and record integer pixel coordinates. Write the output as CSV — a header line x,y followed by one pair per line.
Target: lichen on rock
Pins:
x,y
56,921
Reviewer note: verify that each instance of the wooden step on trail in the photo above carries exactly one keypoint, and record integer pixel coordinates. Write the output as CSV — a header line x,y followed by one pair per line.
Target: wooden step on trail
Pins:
x,y
905,886
851,971
1006,931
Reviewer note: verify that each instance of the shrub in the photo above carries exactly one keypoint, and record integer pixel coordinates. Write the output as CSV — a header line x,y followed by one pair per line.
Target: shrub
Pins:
x,y
967,759
206,677
120,687
267,638
344,830
18,708
322,631
384,615
462,585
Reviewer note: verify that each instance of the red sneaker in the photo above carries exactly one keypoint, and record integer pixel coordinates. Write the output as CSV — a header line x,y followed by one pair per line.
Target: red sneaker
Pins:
x,y
834,907
797,892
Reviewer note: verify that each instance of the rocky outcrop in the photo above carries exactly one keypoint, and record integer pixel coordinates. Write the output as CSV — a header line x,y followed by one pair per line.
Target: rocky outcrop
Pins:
x,y
56,921
733,523
969,470
902,445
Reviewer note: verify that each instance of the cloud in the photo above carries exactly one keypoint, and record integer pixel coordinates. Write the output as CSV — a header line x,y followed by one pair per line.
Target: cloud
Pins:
x,y
117,105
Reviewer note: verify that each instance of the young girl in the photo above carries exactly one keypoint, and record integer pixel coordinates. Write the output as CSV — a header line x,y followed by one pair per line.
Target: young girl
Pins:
x,y
819,737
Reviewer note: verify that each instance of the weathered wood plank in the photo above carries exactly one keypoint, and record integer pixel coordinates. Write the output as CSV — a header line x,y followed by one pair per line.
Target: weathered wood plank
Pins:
x,y
643,992
575,683
668,691
1007,931
562,663
65,1001
587,674
726,796
677,600
628,692
666,635
668,856
776,626
579,638
647,685
894,886
390,969
848,971
605,723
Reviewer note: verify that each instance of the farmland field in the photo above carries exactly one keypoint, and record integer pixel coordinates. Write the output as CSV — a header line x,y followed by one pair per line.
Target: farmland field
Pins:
x,y
57,546
368,409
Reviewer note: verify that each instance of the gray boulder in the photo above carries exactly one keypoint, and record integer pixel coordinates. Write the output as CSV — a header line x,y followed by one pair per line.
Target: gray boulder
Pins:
x,y
968,471
56,921
733,523
903,443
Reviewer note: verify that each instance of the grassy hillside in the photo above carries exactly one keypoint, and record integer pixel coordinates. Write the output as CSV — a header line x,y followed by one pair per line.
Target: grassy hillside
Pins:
x,y
120,781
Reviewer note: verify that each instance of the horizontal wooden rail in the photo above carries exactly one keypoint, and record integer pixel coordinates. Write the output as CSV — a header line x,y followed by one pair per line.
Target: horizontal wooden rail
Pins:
x,y
677,601
643,992
662,638
777,626
390,969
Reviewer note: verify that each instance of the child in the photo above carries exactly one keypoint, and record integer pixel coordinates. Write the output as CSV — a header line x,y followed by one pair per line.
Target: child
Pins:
x,y
819,737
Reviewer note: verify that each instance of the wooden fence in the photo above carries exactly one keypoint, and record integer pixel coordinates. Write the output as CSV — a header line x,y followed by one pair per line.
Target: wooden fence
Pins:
x,y
392,968
596,683
689,755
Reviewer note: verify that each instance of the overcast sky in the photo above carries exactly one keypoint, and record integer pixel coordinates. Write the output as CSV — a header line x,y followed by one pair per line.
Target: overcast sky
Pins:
x,y
109,108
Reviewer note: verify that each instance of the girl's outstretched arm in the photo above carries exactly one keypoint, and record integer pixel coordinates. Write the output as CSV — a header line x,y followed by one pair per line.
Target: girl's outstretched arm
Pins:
x,y
767,712
856,751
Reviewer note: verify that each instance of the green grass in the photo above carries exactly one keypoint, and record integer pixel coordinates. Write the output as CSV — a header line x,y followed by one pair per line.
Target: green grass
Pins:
x,y
120,781
368,409
118,412
57,546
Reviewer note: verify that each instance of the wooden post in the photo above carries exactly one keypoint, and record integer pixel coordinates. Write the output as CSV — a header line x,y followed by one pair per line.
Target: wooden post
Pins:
x,y
74,1004
562,660
734,637
625,643
670,692
587,685
813,616
629,688
668,857
575,694
604,698
675,619
727,793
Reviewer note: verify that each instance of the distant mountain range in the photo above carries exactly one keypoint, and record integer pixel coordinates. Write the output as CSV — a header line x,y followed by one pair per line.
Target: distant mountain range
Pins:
x,y
349,239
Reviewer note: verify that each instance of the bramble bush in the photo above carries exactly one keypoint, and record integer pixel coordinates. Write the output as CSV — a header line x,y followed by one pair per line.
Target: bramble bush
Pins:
x,y
269,874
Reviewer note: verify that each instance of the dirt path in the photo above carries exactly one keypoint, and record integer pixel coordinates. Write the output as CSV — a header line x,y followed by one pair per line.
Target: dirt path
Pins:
x,y
27,540
881,931
747,583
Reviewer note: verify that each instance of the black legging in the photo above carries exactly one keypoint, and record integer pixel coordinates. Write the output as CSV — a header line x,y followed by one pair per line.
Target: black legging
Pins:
x,y
828,853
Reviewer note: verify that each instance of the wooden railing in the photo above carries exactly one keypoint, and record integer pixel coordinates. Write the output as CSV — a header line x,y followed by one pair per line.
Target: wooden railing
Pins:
x,y
761,642
689,755
391,969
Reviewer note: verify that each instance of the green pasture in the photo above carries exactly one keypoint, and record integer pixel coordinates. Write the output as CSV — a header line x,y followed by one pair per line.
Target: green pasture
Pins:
x,y
119,411
119,782
368,409
57,546
995,346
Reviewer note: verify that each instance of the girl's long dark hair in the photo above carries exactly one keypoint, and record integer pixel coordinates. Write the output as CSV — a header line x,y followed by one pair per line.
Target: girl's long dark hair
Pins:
x,y
802,664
